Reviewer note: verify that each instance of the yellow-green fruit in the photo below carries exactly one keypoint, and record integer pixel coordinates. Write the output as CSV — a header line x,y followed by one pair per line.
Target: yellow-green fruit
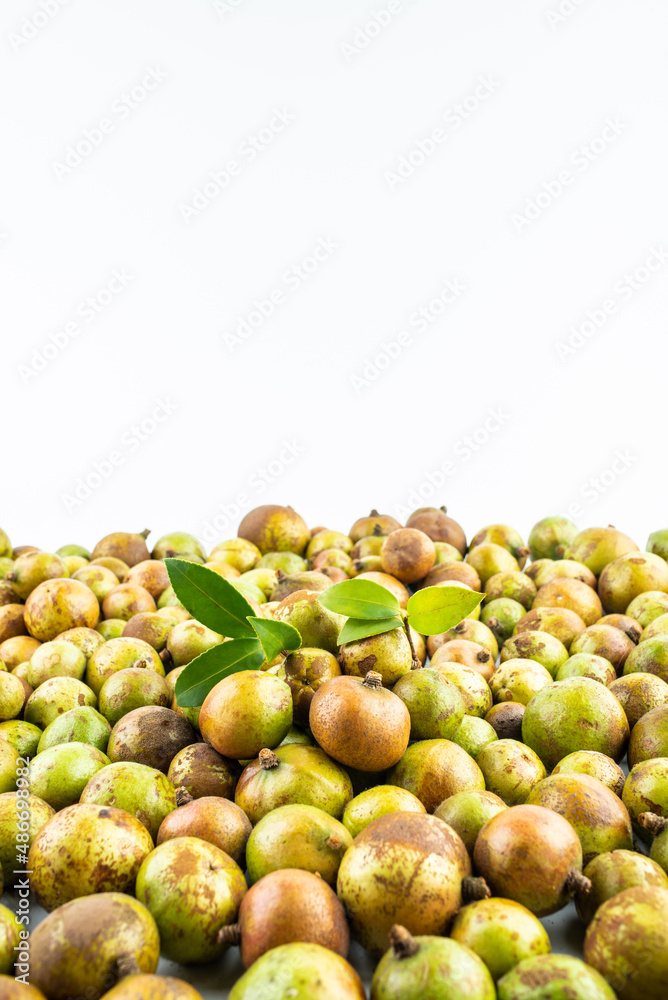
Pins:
x,y
129,689
239,553
549,537
630,575
435,769
8,764
273,528
54,697
297,836
638,694
596,765
60,774
57,658
518,680
86,849
328,540
72,564
57,605
472,685
17,650
474,734
9,939
388,654
501,932
23,736
150,626
124,545
80,725
612,872
5,544
375,802
539,646
467,813
118,567
597,668
34,568
304,671
177,543
646,790
557,976
12,696
301,971
85,639
111,628
193,890
14,810
650,656
98,578
142,791
506,537
435,705
188,639
452,970
488,559
596,547
86,946
12,989
245,713
318,627
511,770
118,654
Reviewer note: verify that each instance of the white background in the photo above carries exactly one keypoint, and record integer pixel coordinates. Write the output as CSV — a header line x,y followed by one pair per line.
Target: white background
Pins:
x,y
357,105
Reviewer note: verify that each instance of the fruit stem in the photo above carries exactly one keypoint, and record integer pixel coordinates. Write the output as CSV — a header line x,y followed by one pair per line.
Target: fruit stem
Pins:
x,y
10,576
373,680
127,965
230,934
145,533
268,759
577,882
140,664
633,632
166,657
444,509
521,552
492,623
652,823
483,656
474,888
374,513
183,796
403,943
415,662
377,531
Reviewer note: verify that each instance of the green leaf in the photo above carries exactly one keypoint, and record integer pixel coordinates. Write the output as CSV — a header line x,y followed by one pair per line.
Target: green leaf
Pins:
x,y
275,636
360,599
201,674
210,599
359,628
437,609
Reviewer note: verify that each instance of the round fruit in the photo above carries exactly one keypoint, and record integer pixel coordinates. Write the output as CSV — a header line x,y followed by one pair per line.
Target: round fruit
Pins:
x,y
246,712
549,537
597,668
120,654
552,977
57,605
60,774
629,576
80,725
301,970
131,688
141,791
511,770
379,801
639,694
318,627
604,640
202,771
573,595
435,769
501,932
29,811
596,547
649,737
440,528
275,529
151,987
452,970
596,765
518,680
435,705
151,736
612,872
467,812
218,821
297,836
408,554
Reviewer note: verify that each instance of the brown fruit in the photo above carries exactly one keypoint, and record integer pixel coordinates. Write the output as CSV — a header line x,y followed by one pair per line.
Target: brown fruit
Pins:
x,y
202,771
273,528
506,720
374,524
57,605
638,694
145,986
150,627
360,723
470,654
573,595
124,545
304,671
150,735
628,625
460,572
12,621
216,820
433,770
151,574
395,586
408,554
440,528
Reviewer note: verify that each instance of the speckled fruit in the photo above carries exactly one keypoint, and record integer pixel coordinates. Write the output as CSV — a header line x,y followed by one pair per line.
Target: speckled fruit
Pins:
x,y
629,576
34,568
152,987
60,774
218,821
542,647
304,671
506,719
22,735
596,765
151,736
9,940
553,977
81,725
604,640
193,890
403,868
474,734
119,654
408,554
149,626
597,668
451,970
549,537
189,639
12,696
293,774
245,712
318,627
647,607
12,989
598,816
435,705
435,769
275,529
389,654
518,680
650,656
457,573
649,737
596,547
639,694
126,600
57,605
123,545
502,616
474,631
12,620
629,626
86,946
562,623
501,932
375,802
131,688
14,810
531,855
139,790
470,654
575,714
440,528
302,971
646,790
572,595
55,697
467,812
510,769
297,836
627,942
202,771
104,848
472,685
17,650
613,872
510,584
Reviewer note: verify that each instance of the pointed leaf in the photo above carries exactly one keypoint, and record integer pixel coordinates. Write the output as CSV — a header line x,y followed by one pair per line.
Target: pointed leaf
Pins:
x,y
359,628
275,636
210,599
360,599
436,609
201,674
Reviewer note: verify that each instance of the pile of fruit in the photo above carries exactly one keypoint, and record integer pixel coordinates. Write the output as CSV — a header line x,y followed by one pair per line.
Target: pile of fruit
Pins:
x,y
429,796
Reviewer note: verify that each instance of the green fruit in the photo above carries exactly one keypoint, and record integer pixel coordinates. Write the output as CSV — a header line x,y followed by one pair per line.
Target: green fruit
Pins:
x,y
473,735
73,550
510,770
539,646
140,790
23,736
129,689
85,639
489,558
473,631
246,712
99,579
9,940
452,970
318,627
604,640
596,668
513,586
56,659
553,977
375,802
293,775
86,849
389,654
288,562
111,628
55,697
639,694
646,790
501,932
193,890
9,760
562,623
297,836
60,774
549,537
263,578
435,769
472,685
324,540
119,654
506,537
612,872
629,576
168,599
435,705
14,810
575,714
249,591
5,544
467,813
597,547
80,725
627,942
597,815
202,771
302,971
310,581
73,563
650,656
304,671
656,628
151,736
501,617
12,696
177,543
649,737
34,568
87,946
648,606
403,868
596,765
518,680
